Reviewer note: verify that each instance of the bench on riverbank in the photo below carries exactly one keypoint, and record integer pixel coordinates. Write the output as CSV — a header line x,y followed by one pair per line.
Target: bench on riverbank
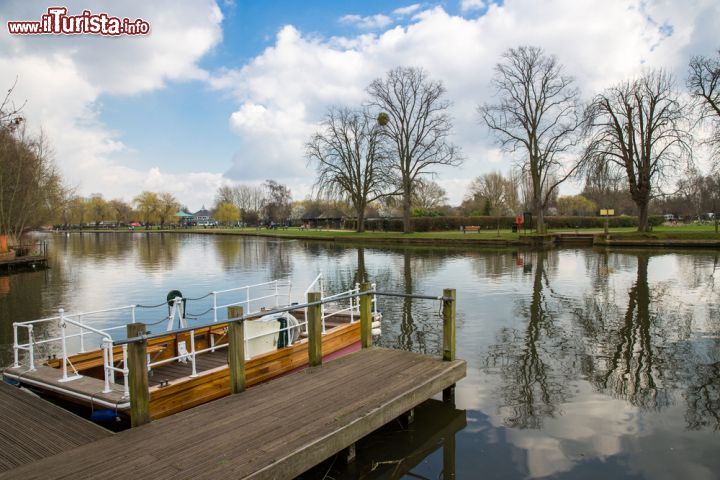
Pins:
x,y
470,228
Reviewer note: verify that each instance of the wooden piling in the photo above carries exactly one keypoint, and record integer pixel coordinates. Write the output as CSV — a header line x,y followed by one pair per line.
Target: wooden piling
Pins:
x,y
314,327
449,457
365,317
138,376
236,350
448,311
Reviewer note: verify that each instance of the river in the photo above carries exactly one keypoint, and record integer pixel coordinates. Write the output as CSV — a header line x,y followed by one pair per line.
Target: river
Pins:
x,y
582,363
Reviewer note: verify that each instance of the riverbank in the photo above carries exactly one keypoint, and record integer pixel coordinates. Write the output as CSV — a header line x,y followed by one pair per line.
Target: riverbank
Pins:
x,y
484,238
692,236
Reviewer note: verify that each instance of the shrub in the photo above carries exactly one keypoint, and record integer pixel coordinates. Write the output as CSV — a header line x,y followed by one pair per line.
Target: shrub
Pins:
x,y
444,223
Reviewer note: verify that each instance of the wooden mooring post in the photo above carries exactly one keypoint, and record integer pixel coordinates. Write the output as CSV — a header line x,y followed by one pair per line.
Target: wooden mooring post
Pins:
x,y
236,350
314,328
365,317
138,376
448,313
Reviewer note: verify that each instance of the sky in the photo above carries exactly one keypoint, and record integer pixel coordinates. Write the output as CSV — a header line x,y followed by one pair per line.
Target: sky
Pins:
x,y
230,90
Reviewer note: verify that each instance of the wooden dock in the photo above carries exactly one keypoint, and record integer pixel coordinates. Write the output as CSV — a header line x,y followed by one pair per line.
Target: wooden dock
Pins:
x,y
275,430
28,262
32,429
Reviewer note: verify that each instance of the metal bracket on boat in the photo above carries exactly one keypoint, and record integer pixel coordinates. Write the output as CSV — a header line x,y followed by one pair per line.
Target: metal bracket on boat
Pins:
x,y
176,307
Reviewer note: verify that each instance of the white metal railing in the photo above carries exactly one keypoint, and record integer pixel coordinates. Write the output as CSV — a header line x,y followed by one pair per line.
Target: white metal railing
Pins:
x,y
353,309
247,302
81,323
81,328
312,287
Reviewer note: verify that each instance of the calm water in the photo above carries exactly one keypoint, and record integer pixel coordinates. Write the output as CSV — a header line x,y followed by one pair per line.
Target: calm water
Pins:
x,y
581,363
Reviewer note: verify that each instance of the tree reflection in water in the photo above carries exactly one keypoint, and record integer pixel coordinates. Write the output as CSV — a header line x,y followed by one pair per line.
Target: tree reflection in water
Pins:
x,y
530,360
642,352
634,367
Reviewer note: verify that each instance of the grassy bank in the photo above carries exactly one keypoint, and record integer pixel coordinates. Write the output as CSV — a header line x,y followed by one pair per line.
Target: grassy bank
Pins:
x,y
664,234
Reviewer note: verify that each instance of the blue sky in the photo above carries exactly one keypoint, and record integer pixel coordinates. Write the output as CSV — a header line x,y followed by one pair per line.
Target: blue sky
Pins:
x,y
228,91
194,118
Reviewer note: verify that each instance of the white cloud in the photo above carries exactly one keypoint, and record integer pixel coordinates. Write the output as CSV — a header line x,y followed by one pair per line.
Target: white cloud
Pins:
x,y
284,91
467,5
370,22
64,78
405,11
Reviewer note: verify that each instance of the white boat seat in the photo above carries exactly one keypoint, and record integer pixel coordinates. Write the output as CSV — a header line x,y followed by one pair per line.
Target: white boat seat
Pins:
x,y
183,352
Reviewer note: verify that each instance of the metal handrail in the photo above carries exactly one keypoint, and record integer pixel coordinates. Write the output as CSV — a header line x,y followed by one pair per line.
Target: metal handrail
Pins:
x,y
244,317
108,343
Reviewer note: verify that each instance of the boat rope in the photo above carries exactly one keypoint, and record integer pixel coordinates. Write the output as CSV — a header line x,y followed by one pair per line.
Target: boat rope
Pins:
x,y
198,298
195,316
152,306
156,323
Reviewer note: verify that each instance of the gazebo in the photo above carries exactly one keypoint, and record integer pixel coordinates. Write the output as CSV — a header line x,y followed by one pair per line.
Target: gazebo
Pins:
x,y
184,218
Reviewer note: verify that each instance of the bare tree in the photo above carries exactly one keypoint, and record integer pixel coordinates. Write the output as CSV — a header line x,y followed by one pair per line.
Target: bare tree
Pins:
x,y
704,84
120,210
349,160
606,187
226,194
415,123
9,112
31,188
279,202
491,193
637,128
428,195
250,199
537,116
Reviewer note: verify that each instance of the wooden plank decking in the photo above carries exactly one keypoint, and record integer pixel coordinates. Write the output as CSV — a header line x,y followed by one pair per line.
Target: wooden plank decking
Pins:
x,y
274,430
25,262
32,428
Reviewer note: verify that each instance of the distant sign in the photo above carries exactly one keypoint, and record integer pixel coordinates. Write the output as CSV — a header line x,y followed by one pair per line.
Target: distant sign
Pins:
x,y
607,212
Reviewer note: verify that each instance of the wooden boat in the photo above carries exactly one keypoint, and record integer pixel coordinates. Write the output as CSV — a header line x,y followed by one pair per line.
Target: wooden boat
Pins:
x,y
187,368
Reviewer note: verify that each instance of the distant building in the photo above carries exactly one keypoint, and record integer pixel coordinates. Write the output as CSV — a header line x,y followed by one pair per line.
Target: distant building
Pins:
x,y
332,218
203,217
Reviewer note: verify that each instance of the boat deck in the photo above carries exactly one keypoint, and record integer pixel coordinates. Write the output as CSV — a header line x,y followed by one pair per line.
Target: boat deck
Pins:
x,y
175,370
49,379
32,428
275,430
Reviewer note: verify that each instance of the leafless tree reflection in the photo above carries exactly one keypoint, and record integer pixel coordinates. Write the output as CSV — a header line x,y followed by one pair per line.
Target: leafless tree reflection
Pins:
x,y
530,359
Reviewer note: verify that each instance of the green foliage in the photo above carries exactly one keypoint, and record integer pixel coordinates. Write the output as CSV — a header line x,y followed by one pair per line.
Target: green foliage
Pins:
x,y
227,213
383,119
425,212
576,205
436,223
487,208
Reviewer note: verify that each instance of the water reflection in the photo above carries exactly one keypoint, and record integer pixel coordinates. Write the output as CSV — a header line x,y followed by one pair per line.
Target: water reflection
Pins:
x,y
236,253
641,351
631,366
580,362
530,360
396,451
157,250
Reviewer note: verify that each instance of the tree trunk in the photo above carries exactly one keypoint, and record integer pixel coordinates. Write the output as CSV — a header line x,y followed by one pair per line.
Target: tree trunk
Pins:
x,y
643,223
407,208
360,220
539,214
